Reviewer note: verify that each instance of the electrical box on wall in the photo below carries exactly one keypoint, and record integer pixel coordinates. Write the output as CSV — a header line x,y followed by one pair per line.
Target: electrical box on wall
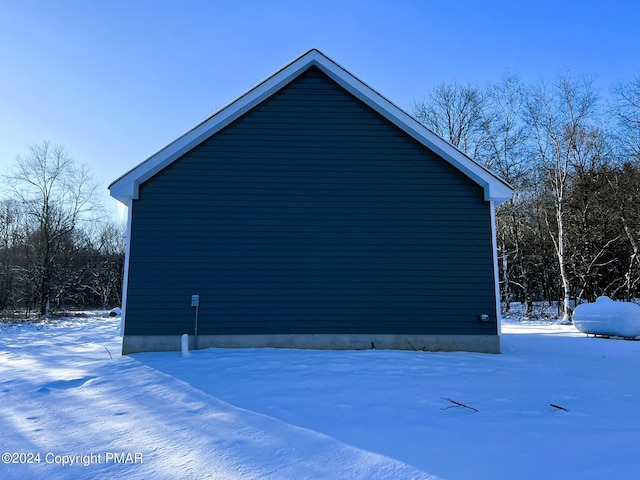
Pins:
x,y
195,300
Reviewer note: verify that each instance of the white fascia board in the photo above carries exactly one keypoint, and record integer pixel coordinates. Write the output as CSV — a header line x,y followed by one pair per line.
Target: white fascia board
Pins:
x,y
126,187
496,271
125,278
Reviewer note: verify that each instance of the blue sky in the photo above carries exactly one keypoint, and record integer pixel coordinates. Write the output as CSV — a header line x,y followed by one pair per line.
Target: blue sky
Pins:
x,y
114,81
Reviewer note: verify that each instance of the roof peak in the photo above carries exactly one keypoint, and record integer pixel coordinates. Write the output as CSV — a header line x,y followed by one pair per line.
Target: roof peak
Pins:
x,y
125,188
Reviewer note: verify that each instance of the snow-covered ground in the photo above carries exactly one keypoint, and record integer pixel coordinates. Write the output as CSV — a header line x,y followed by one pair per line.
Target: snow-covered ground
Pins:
x,y
288,414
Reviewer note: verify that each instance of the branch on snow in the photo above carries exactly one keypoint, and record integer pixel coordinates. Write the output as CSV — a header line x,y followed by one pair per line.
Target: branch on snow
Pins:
x,y
456,404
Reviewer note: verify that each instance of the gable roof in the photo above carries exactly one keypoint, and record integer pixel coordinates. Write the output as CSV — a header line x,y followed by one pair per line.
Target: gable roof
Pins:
x,y
125,188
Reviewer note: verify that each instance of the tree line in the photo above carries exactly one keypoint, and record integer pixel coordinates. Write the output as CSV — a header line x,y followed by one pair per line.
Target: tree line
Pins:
x,y
571,231
57,251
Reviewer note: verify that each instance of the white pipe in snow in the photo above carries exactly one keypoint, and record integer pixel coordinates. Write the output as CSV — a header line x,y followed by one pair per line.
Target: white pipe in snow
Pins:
x,y
185,345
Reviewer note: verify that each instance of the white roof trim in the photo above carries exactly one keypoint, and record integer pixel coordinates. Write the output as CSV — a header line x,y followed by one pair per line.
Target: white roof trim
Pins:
x,y
126,187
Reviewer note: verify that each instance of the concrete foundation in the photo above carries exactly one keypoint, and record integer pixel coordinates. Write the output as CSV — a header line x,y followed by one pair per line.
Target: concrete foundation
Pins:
x,y
432,343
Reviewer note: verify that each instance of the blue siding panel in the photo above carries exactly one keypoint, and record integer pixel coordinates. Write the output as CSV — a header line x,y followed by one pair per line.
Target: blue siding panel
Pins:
x,y
311,214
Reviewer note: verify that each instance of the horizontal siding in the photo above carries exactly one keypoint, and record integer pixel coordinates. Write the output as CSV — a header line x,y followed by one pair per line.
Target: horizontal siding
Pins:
x,y
311,214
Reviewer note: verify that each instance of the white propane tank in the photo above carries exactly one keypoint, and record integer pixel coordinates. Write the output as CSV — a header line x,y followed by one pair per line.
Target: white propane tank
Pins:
x,y
606,317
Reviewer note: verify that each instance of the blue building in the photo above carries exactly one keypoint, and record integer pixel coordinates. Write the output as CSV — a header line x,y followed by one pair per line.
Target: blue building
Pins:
x,y
311,212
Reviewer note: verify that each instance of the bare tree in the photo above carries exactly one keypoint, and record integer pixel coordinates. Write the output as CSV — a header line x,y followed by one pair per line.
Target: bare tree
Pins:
x,y
454,113
504,148
101,273
626,108
593,234
10,227
623,183
56,195
558,117
504,151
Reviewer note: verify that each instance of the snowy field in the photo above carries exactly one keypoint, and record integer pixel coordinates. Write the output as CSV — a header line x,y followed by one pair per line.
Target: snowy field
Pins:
x,y
286,414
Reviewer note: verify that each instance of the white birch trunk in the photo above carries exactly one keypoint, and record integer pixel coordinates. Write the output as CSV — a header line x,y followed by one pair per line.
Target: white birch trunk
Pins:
x,y
561,263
